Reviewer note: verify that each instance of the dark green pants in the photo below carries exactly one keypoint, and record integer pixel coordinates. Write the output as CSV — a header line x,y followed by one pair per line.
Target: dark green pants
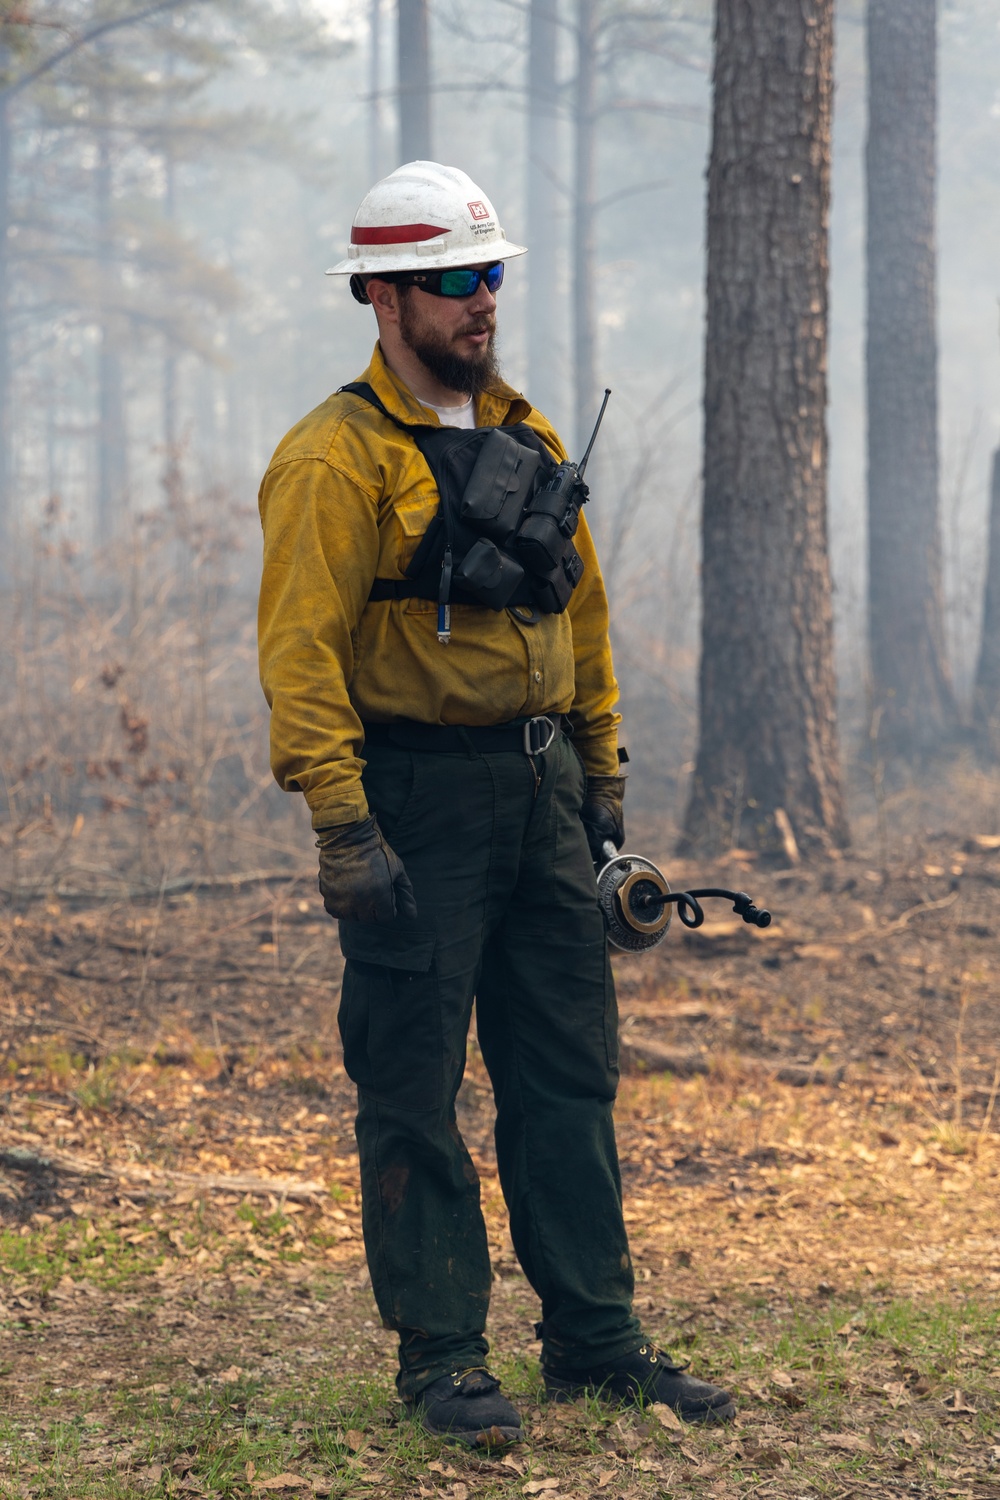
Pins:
x,y
507,916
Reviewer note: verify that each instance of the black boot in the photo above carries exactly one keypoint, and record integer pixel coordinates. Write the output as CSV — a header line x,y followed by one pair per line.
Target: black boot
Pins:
x,y
467,1407
640,1378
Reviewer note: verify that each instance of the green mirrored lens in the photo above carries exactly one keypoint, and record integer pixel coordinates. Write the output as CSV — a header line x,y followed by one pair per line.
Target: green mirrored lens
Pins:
x,y
459,283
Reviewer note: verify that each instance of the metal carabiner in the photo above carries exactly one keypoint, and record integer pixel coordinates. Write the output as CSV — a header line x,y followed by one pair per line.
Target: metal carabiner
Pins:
x,y
536,742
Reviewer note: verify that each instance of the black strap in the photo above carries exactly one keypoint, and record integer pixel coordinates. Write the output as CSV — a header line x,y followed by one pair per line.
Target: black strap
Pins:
x,y
363,389
402,588
412,588
392,588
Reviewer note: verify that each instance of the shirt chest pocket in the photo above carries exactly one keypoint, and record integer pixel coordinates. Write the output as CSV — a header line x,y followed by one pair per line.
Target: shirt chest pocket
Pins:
x,y
415,517
402,529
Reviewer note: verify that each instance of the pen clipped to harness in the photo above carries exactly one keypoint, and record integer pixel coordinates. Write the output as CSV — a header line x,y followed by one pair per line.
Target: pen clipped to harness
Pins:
x,y
635,901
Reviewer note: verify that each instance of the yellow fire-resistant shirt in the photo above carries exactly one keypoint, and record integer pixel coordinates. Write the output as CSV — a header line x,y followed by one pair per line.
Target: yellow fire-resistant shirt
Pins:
x,y
346,499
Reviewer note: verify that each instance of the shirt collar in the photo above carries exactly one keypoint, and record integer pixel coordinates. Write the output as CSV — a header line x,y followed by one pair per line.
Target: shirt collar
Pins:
x,y
499,406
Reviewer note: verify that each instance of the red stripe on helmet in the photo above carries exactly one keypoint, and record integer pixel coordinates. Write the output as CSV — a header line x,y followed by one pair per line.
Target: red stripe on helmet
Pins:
x,y
394,234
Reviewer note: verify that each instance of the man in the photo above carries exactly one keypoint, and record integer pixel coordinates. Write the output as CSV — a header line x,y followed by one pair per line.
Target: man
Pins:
x,y
425,673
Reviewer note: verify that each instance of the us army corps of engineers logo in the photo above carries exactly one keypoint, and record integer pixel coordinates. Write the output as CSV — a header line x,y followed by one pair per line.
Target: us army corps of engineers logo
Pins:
x,y
482,220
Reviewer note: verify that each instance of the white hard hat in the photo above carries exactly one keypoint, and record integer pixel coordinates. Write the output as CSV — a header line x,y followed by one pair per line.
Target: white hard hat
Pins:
x,y
424,215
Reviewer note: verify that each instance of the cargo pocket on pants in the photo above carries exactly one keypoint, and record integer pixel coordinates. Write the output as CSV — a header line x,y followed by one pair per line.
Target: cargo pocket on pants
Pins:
x,y
390,1016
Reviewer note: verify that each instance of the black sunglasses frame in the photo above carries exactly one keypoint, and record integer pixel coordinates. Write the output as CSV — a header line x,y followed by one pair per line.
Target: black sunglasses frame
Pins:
x,y
430,281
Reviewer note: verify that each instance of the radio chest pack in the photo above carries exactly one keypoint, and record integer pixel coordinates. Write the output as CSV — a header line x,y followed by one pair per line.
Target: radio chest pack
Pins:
x,y
503,534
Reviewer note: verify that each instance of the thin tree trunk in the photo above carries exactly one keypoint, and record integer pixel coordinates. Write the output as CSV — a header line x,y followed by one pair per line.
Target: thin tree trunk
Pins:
x,y
768,737
912,689
374,90
111,464
6,430
544,335
584,225
414,82
171,476
986,692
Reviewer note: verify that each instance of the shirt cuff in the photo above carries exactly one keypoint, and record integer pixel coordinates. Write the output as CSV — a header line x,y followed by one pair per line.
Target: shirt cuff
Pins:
x,y
334,809
599,754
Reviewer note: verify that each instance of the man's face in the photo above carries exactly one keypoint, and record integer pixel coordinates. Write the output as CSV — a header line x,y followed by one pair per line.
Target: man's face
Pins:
x,y
455,337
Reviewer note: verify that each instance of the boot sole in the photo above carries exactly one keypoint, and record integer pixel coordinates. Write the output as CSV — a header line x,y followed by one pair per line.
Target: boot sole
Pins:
x,y
565,1390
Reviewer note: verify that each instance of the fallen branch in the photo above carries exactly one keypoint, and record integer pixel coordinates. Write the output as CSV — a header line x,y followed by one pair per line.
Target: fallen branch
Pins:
x,y
260,974
904,917
22,1159
870,934
641,1054
44,890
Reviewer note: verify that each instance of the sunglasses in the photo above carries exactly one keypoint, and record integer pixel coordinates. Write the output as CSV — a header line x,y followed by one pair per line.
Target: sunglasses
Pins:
x,y
460,283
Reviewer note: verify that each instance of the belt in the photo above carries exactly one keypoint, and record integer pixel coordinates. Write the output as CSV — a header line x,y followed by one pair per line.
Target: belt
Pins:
x,y
527,736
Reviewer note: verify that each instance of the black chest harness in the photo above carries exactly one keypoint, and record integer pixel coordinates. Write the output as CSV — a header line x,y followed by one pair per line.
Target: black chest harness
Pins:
x,y
503,534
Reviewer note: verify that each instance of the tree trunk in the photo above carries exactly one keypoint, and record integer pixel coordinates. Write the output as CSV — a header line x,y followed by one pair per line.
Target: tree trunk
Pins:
x,y
414,82
584,225
544,331
171,474
986,692
374,90
6,429
768,736
912,691
111,459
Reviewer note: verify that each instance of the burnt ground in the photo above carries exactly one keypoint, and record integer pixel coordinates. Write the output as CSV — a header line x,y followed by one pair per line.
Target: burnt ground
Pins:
x,y
811,1190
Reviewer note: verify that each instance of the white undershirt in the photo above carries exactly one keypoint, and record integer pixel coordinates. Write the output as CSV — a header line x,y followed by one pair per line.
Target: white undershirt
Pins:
x,y
455,416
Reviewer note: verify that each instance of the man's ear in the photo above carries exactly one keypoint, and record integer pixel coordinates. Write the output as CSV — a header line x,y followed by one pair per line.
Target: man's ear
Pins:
x,y
384,297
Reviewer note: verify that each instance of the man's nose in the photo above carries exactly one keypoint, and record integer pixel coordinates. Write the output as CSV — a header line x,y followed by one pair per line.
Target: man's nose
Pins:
x,y
482,299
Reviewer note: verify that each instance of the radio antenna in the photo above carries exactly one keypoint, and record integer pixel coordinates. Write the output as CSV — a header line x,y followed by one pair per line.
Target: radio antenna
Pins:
x,y
597,427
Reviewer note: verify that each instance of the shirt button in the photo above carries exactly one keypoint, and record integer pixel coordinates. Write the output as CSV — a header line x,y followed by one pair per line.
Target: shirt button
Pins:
x,y
538,676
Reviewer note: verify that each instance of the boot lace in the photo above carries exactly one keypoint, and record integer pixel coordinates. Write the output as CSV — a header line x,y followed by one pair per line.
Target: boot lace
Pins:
x,y
657,1357
476,1380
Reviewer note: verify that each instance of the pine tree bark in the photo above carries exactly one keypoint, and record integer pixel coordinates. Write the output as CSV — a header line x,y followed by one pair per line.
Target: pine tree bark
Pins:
x,y
544,333
414,81
768,756
986,691
912,689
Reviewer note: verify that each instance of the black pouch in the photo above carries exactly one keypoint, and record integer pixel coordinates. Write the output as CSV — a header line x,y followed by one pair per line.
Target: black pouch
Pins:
x,y
499,485
554,590
544,537
492,577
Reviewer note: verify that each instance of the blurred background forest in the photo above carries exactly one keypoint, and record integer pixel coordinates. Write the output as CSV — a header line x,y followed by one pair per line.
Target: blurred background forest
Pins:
x,y
174,180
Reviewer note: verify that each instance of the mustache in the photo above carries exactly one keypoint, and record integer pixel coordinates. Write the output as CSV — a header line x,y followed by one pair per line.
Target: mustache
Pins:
x,y
482,325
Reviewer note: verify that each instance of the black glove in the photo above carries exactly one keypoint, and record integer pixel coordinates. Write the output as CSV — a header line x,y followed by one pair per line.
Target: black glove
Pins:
x,y
360,878
602,816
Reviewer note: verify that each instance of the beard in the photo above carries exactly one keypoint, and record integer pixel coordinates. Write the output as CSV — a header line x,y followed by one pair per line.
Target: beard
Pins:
x,y
473,374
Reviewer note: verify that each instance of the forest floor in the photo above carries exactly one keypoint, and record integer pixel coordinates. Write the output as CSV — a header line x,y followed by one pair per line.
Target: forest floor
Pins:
x,y
812,1194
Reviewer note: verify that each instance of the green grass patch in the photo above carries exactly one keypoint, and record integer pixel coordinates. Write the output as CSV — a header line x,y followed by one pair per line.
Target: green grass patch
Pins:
x,y
76,1248
861,1392
116,1256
